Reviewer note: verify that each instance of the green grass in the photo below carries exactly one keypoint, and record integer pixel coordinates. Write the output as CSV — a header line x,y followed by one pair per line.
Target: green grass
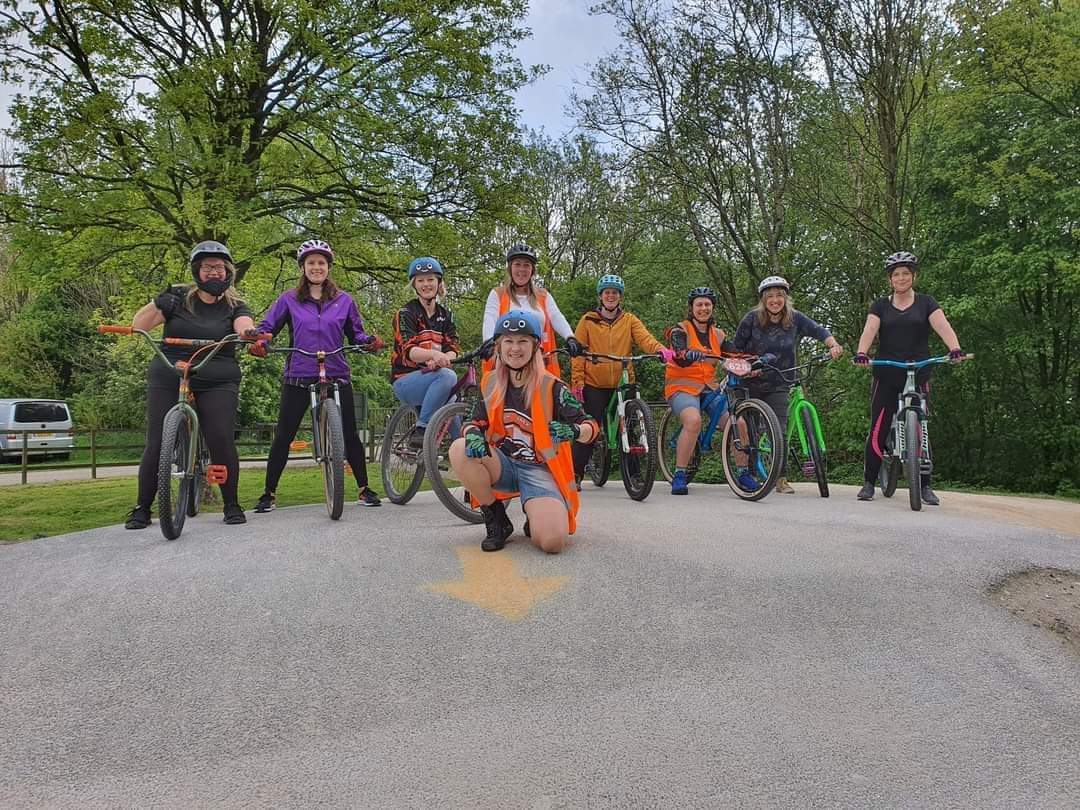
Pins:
x,y
42,510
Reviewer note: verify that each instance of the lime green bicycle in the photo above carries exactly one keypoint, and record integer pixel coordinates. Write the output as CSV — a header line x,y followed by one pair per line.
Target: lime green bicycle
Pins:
x,y
805,441
628,431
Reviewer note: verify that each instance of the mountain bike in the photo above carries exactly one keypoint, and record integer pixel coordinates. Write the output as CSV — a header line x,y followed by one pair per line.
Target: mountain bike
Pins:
x,y
327,431
184,461
908,445
805,440
628,431
403,466
751,441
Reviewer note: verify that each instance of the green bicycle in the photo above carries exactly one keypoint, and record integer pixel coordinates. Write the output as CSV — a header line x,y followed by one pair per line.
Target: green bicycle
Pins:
x,y
629,431
803,422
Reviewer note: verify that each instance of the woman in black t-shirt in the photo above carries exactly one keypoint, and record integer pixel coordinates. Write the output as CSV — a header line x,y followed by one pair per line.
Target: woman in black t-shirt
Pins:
x,y
902,324
209,309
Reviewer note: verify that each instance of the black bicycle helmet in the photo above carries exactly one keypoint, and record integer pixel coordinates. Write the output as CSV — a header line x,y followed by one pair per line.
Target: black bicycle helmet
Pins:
x,y
701,292
523,251
207,249
901,258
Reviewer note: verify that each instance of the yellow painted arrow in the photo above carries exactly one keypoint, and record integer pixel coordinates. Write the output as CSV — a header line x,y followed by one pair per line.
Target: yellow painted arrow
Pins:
x,y
491,581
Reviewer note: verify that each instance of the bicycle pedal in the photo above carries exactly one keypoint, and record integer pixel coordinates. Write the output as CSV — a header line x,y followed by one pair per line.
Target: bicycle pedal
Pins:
x,y
808,469
217,474
637,450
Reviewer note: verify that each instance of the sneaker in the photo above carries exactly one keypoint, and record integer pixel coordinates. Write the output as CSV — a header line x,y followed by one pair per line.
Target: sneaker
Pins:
x,y
368,497
747,482
234,514
266,503
866,493
783,486
928,496
577,484
499,527
680,485
138,518
526,529
415,439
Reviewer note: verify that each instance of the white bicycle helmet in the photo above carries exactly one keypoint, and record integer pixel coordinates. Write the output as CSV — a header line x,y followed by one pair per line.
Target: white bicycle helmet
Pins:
x,y
773,281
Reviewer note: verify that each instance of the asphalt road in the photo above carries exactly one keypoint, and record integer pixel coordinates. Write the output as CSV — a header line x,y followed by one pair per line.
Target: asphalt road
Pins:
x,y
690,652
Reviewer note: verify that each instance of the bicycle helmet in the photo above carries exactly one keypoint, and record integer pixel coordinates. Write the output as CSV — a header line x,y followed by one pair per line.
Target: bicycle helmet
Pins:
x,y
424,264
518,322
521,250
773,281
209,249
314,246
701,292
901,258
610,282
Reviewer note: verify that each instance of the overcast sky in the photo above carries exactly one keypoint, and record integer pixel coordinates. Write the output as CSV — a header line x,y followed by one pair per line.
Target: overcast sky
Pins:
x,y
564,36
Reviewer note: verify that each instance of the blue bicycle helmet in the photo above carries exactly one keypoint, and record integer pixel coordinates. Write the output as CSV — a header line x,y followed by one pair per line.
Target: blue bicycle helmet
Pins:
x,y
518,322
424,264
610,282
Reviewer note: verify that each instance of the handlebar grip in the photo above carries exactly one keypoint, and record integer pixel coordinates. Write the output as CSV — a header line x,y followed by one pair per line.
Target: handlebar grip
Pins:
x,y
114,329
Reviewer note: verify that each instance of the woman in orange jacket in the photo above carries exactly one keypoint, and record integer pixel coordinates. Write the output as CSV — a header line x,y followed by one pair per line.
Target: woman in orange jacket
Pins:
x,y
608,329
519,441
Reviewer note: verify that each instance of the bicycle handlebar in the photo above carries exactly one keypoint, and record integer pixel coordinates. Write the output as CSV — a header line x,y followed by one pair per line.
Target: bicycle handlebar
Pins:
x,y
200,345
117,329
917,364
633,358
353,347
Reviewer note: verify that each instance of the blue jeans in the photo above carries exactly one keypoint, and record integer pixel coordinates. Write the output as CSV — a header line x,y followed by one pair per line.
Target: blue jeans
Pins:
x,y
428,391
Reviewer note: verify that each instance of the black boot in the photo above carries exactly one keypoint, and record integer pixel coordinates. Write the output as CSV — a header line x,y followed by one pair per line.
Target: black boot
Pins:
x,y
499,527
867,492
928,496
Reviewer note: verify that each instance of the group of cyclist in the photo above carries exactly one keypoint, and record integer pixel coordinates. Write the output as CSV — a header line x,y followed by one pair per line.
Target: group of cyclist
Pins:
x,y
519,440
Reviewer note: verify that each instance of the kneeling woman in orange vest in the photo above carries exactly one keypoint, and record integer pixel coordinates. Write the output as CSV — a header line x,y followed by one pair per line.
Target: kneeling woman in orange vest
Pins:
x,y
519,441
691,375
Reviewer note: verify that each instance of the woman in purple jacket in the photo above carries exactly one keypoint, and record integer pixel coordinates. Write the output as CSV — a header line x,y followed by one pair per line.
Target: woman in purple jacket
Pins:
x,y
320,317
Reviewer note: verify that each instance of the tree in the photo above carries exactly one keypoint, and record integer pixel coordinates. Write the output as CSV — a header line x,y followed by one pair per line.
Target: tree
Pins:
x,y
152,125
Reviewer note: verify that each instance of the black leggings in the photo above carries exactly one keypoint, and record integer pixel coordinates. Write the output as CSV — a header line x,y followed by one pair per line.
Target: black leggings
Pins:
x,y
596,402
295,402
217,421
884,394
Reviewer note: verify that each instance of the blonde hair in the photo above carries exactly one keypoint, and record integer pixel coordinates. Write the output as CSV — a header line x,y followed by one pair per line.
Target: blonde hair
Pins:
x,y
536,371
508,285
787,321
440,296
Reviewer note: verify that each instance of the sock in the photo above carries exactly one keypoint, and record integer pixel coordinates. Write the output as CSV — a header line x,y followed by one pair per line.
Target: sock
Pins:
x,y
680,470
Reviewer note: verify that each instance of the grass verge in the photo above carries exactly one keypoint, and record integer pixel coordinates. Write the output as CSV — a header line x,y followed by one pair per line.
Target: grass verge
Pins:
x,y
42,510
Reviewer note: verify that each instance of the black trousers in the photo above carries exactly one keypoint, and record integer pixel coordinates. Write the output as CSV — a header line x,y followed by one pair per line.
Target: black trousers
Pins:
x,y
884,394
295,403
596,402
778,401
217,421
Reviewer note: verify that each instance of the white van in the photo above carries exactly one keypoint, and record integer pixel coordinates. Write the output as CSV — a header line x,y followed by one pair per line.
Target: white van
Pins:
x,y
49,422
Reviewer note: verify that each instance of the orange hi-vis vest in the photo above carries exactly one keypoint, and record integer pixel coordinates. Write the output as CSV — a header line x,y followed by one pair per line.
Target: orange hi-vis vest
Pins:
x,y
559,459
547,340
697,376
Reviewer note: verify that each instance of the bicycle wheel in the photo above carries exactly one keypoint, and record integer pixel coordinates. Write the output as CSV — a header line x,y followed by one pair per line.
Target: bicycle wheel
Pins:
x,y
913,440
599,466
639,465
444,428
199,485
762,450
174,477
668,435
402,467
817,456
332,445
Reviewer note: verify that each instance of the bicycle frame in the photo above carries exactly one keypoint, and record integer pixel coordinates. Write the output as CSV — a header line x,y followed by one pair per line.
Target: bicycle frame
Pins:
x,y
614,427
799,403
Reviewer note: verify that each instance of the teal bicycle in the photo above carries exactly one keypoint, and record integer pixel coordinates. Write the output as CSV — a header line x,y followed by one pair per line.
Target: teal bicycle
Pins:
x,y
805,440
628,432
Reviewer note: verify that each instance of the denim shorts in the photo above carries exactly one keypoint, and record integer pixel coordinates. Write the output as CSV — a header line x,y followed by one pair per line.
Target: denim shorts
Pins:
x,y
530,480
681,400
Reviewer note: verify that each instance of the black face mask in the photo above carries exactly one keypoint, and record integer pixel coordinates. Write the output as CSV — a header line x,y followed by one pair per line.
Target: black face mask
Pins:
x,y
215,286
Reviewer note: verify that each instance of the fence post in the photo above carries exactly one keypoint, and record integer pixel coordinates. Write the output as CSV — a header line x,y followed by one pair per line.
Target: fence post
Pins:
x,y
93,452
25,455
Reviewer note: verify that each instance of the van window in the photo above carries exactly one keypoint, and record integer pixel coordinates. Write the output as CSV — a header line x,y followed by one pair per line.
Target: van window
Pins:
x,y
40,412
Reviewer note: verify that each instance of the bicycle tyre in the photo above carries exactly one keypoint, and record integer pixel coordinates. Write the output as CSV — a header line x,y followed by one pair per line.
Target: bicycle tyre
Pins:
x,y
439,436
913,450
332,439
665,448
402,468
198,478
173,475
816,455
638,472
765,440
889,477
599,465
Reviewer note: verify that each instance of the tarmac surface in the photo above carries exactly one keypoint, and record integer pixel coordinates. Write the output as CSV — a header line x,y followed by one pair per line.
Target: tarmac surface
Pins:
x,y
685,652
